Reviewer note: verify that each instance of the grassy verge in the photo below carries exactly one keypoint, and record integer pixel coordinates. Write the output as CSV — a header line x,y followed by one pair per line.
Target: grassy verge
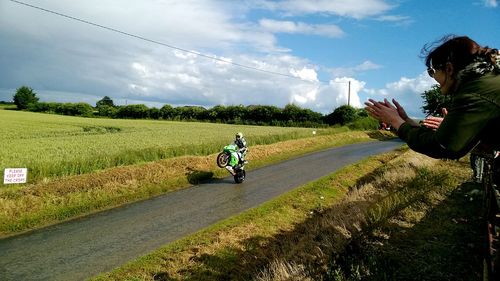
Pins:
x,y
27,207
310,233
427,228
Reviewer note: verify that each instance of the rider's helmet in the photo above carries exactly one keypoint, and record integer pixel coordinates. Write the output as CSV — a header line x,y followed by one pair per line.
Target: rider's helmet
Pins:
x,y
239,135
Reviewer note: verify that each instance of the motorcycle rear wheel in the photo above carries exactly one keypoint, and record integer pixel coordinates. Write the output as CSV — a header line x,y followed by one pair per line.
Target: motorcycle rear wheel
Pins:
x,y
240,176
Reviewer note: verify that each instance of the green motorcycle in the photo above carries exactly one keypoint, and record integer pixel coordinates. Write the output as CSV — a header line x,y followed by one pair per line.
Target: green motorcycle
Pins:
x,y
229,158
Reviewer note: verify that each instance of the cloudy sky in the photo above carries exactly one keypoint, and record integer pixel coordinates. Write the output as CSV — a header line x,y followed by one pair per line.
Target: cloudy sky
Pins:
x,y
210,52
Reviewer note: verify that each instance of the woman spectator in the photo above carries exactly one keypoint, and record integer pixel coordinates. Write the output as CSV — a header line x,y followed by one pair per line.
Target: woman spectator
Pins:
x,y
470,74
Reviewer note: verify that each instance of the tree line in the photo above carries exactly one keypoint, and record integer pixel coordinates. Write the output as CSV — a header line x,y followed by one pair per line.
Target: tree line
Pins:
x,y
290,116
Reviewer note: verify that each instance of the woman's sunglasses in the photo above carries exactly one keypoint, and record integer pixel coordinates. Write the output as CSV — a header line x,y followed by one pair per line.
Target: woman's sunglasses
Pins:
x,y
431,71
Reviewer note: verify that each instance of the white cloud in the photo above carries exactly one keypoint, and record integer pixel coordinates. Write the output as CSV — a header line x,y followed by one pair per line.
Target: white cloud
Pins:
x,y
303,95
407,91
157,20
491,3
355,9
201,82
305,73
85,63
140,69
72,56
367,65
328,30
185,55
325,98
398,19
351,71
419,84
143,91
347,92
392,18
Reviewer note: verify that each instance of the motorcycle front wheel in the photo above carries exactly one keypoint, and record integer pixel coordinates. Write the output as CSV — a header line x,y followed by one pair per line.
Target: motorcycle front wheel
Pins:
x,y
222,160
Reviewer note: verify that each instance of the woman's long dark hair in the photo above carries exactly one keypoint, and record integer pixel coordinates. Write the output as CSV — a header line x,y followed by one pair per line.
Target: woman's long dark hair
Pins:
x,y
457,50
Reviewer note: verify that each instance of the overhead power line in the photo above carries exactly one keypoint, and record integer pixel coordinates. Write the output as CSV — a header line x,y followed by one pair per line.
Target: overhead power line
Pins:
x,y
160,43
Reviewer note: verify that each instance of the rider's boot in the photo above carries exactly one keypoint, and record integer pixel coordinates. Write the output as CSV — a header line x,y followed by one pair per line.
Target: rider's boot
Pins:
x,y
231,170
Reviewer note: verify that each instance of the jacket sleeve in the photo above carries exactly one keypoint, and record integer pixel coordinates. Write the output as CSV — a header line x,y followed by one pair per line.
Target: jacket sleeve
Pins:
x,y
422,140
459,132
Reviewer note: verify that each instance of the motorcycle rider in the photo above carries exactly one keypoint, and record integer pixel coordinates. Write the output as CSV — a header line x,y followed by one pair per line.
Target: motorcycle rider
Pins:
x,y
239,155
242,146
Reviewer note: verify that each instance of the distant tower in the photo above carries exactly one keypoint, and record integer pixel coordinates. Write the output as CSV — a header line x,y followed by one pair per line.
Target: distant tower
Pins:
x,y
349,93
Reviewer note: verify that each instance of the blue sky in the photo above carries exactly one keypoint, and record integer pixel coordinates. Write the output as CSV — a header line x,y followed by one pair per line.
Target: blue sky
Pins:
x,y
318,45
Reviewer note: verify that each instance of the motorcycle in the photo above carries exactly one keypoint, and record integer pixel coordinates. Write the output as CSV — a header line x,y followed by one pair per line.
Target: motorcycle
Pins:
x,y
226,158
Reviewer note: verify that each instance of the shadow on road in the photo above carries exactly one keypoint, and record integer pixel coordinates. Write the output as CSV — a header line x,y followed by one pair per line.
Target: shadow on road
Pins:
x,y
197,176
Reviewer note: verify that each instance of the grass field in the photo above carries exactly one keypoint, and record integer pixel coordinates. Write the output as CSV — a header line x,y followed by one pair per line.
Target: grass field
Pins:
x,y
78,166
53,145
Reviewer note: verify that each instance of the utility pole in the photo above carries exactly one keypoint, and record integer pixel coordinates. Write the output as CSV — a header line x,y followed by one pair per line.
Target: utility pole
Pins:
x,y
349,94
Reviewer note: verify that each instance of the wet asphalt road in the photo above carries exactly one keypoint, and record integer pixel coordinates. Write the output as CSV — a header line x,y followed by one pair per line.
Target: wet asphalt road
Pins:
x,y
85,247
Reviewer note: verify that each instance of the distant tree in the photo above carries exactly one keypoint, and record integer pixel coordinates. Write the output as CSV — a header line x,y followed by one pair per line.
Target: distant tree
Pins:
x,y
190,112
48,107
105,101
364,123
82,109
263,114
134,111
297,115
74,109
167,112
106,107
342,115
24,96
434,100
107,111
361,112
235,113
218,113
292,112
154,113
312,116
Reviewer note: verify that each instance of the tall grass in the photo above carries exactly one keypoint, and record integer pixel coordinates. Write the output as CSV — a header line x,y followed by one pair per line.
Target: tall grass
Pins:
x,y
52,145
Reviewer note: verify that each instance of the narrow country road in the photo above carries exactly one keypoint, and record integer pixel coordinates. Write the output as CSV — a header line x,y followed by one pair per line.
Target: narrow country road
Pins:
x,y
88,246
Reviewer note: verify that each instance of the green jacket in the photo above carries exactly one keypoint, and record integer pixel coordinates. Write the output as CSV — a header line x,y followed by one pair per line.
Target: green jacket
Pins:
x,y
474,116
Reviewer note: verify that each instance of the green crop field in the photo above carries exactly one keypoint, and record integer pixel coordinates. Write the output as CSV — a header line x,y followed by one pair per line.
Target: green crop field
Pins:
x,y
53,145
